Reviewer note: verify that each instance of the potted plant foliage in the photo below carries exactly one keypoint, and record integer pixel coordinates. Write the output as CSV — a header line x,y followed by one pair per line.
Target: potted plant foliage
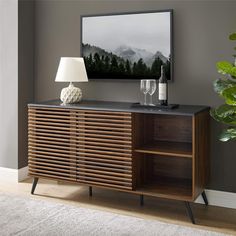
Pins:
x,y
226,88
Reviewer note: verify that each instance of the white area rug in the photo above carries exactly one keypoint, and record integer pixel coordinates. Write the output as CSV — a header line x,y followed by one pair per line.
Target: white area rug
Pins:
x,y
27,216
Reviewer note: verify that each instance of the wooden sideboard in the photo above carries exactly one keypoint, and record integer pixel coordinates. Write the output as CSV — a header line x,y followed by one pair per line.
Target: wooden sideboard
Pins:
x,y
145,151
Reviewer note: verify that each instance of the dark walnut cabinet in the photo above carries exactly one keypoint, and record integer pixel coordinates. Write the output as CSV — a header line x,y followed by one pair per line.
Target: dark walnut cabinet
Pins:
x,y
145,151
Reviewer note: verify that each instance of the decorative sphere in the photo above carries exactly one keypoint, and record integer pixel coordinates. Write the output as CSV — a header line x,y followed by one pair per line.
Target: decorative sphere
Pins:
x,y
71,94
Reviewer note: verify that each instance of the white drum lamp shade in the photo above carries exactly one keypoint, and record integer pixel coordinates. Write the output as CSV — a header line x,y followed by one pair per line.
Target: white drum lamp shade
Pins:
x,y
71,69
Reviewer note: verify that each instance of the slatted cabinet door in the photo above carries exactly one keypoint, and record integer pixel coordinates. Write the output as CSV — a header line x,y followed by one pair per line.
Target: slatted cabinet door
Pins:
x,y
104,149
52,143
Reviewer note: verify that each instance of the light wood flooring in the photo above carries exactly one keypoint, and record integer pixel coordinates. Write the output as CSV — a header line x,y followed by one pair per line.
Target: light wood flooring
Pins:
x,y
210,218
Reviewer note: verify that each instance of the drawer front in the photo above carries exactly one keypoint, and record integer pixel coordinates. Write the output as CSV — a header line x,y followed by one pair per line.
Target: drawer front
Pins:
x,y
104,149
52,143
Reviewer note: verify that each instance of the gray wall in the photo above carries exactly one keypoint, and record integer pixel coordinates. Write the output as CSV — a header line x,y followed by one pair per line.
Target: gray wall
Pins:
x,y
8,83
25,73
201,29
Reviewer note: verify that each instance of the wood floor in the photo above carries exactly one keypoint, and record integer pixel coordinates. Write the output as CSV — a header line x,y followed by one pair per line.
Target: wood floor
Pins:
x,y
210,218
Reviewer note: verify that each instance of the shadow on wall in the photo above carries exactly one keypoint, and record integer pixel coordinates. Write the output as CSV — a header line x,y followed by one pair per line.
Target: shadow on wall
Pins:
x,y
221,170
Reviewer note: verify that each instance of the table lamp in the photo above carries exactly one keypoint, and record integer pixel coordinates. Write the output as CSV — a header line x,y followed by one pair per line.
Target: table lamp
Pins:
x,y
71,69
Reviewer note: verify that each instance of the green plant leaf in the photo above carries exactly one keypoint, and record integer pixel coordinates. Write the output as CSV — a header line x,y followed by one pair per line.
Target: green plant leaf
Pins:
x,y
222,84
225,67
230,95
225,114
228,134
232,36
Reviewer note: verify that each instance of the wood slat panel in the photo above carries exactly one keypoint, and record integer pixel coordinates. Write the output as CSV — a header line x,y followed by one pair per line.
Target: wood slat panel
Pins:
x,y
96,113
104,124
95,127
105,149
53,133
112,186
50,161
32,137
103,140
86,154
104,120
49,164
52,146
39,147
54,177
108,145
103,131
57,120
115,153
52,157
54,172
53,124
126,164
123,150
33,151
50,110
52,143
50,127
109,168
47,167
104,180
96,172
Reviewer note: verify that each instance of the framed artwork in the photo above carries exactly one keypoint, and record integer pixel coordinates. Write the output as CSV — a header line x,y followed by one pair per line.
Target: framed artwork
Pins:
x,y
127,46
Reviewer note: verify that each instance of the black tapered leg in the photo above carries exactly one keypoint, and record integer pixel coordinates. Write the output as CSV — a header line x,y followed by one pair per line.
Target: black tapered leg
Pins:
x,y
90,191
205,198
190,213
141,200
35,181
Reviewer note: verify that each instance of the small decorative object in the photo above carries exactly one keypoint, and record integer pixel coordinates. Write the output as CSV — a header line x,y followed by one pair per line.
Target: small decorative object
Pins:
x,y
71,69
152,89
226,88
144,88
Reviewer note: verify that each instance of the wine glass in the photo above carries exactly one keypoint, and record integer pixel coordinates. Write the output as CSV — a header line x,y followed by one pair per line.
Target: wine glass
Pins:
x,y
152,89
144,88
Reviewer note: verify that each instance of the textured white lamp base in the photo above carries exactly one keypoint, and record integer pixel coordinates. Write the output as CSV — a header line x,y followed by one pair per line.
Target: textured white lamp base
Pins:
x,y
71,94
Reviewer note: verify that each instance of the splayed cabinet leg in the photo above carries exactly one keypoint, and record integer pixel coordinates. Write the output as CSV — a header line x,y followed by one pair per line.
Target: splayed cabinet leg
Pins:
x,y
205,198
141,200
35,181
90,191
190,213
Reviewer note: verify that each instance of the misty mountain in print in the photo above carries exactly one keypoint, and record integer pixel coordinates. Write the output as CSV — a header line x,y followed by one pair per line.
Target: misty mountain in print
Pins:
x,y
134,54
124,63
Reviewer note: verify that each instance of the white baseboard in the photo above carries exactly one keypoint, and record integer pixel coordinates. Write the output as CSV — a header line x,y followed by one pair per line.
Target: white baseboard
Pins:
x,y
219,198
13,175
23,173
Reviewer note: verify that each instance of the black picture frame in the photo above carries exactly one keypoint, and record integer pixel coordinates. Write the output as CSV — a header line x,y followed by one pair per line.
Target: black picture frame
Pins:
x,y
99,73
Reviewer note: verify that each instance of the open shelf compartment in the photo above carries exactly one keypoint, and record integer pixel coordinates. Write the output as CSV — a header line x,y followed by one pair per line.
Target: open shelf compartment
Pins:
x,y
164,134
164,176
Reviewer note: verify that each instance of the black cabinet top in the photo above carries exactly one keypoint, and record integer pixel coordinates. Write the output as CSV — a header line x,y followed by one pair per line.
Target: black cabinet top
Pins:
x,y
124,107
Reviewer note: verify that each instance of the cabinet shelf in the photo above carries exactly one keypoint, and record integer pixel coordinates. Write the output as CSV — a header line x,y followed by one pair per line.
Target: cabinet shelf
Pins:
x,y
178,149
172,188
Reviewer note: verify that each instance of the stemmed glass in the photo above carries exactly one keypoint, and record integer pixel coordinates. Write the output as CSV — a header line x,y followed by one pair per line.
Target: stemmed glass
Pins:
x,y
144,88
152,89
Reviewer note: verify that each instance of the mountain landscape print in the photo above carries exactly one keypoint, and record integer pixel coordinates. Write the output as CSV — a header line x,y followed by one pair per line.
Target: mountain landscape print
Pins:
x,y
127,46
